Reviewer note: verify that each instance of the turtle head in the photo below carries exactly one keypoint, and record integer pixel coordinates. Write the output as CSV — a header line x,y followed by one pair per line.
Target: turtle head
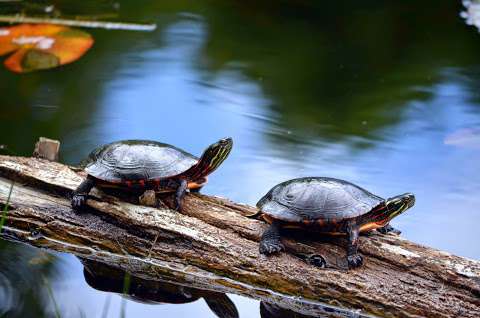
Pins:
x,y
212,157
399,204
217,152
223,143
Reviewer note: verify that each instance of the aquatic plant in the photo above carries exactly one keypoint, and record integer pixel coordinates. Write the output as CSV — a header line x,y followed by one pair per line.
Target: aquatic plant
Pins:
x,y
5,208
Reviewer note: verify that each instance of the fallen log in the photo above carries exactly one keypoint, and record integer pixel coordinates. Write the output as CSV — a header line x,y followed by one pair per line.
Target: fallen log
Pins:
x,y
212,245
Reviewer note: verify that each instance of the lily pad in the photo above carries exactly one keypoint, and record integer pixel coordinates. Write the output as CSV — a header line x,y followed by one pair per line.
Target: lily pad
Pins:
x,y
42,46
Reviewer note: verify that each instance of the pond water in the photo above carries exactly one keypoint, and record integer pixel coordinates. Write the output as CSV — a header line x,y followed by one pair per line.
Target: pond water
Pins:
x,y
384,95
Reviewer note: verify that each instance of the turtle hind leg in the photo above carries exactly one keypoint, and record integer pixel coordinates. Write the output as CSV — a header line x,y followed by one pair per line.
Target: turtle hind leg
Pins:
x,y
179,194
80,194
353,258
389,229
270,242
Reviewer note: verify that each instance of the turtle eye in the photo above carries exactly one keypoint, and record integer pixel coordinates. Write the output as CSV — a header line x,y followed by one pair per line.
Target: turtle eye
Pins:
x,y
225,141
411,200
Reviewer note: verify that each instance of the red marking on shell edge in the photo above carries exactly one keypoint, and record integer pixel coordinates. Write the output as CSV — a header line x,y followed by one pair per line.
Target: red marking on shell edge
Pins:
x,y
141,182
379,207
129,183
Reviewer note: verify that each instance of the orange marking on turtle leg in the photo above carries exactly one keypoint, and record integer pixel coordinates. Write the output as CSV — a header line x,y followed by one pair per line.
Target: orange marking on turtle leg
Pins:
x,y
197,183
369,226
193,185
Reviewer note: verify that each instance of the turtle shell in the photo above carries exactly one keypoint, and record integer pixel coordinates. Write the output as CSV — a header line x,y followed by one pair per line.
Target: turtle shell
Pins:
x,y
132,160
317,198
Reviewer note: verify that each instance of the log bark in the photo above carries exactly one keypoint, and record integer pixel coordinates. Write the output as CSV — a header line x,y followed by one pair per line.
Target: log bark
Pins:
x,y
212,245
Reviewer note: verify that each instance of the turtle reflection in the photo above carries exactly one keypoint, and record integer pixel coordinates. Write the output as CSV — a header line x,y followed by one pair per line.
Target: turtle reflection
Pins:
x,y
107,278
269,310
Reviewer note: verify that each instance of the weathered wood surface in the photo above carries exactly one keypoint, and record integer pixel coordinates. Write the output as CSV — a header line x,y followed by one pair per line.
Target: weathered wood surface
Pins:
x,y
211,244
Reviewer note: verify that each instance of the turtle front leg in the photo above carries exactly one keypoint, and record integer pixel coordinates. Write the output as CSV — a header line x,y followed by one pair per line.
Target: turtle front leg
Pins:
x,y
80,194
200,182
180,193
389,229
353,258
270,242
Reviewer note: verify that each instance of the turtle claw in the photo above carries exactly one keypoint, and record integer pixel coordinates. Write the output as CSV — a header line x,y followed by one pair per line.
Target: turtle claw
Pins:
x,y
317,260
78,201
354,260
271,247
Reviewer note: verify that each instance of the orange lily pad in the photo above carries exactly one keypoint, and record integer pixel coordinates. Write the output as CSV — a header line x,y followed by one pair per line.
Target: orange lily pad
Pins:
x,y
42,46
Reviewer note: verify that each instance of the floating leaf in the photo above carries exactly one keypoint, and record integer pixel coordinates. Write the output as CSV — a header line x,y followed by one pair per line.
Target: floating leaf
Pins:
x,y
42,46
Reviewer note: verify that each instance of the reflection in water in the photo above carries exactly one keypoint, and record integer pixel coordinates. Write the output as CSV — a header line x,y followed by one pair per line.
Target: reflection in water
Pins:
x,y
6,294
24,273
472,13
340,76
110,279
383,95
268,310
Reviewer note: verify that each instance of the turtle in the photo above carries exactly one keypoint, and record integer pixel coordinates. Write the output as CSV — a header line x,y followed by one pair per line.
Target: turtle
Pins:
x,y
327,206
141,165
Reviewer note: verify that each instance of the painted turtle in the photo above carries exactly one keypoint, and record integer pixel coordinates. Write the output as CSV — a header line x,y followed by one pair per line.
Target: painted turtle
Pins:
x,y
329,206
139,165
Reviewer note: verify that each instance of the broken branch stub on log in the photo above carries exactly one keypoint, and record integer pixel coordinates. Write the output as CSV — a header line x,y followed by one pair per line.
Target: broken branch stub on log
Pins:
x,y
47,149
213,246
